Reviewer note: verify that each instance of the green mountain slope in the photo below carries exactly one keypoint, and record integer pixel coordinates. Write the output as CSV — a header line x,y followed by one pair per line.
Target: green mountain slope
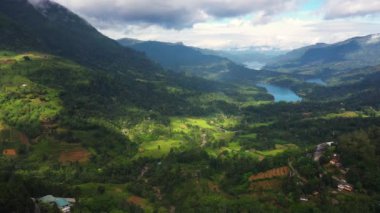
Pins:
x,y
75,93
359,87
63,33
125,135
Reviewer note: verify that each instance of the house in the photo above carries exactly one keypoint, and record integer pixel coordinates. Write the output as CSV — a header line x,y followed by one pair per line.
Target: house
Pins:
x,y
304,199
9,152
345,187
335,161
63,204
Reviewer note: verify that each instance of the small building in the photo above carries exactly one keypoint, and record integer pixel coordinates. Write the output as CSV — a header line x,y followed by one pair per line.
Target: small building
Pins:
x,y
334,161
10,152
63,204
304,199
345,187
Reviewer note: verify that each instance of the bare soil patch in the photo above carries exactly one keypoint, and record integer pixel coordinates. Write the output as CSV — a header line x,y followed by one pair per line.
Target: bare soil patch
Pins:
x,y
77,155
136,200
276,172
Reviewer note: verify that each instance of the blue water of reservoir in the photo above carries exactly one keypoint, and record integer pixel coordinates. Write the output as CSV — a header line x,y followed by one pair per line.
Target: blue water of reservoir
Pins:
x,y
281,93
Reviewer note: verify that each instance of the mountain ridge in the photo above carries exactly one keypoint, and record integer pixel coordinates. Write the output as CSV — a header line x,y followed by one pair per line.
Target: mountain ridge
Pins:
x,y
81,42
321,59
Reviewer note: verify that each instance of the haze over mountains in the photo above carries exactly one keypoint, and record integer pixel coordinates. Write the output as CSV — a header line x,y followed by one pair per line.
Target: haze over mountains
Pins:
x,y
310,60
91,124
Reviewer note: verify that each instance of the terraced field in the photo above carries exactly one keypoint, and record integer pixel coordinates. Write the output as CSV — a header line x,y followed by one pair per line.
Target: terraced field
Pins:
x,y
276,172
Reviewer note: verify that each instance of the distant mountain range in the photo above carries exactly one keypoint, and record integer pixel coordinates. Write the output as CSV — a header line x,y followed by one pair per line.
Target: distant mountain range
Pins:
x,y
326,59
175,56
260,55
209,64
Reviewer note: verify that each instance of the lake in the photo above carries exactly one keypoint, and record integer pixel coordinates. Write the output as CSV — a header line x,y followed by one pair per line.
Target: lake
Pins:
x,y
316,81
281,93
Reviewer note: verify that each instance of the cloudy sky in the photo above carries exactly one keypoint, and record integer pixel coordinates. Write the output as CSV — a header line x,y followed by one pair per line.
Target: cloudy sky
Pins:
x,y
217,24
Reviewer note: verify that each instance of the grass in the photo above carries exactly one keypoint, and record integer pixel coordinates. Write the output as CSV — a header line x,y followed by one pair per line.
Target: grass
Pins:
x,y
279,148
141,202
184,125
256,103
116,192
48,150
234,146
251,136
223,136
174,90
228,122
231,148
349,114
258,125
201,123
157,149
3,126
269,153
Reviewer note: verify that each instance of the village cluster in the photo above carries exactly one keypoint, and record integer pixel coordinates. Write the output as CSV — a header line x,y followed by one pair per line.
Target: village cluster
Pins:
x,y
334,161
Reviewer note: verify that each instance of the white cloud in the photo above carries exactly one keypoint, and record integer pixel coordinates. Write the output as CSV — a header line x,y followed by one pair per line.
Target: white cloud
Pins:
x,y
240,33
221,24
348,8
175,13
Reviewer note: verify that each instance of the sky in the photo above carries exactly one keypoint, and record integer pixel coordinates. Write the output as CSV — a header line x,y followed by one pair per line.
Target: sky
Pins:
x,y
230,24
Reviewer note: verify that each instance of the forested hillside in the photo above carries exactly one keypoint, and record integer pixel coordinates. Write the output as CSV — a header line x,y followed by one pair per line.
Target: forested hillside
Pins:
x,y
84,118
325,59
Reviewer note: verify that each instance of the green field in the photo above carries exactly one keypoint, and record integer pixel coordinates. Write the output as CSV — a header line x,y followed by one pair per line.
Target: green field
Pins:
x,y
157,149
279,148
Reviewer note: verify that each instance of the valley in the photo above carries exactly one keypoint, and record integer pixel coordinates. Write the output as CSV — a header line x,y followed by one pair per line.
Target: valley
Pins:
x,y
133,126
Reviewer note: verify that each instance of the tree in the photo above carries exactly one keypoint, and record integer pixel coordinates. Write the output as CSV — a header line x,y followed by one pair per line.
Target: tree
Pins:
x,y
101,190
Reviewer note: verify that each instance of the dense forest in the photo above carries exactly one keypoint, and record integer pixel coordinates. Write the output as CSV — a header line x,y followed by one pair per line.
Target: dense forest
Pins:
x,y
85,118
